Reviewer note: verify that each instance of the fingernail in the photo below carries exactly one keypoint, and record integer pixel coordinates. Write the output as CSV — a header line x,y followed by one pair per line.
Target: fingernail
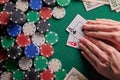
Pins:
x,y
82,52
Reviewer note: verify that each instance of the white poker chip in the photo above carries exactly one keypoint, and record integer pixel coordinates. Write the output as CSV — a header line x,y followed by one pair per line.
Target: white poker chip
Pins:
x,y
25,63
29,28
54,65
22,5
58,12
6,76
38,39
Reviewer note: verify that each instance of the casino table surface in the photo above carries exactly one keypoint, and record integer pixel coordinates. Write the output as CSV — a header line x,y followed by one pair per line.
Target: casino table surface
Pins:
x,y
71,57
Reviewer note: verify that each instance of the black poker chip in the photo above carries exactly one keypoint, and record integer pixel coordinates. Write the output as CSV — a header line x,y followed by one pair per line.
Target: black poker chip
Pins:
x,y
14,52
50,2
2,67
43,26
9,7
32,74
18,16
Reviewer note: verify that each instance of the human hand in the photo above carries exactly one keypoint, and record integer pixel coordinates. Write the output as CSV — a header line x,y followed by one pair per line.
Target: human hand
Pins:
x,y
104,29
104,58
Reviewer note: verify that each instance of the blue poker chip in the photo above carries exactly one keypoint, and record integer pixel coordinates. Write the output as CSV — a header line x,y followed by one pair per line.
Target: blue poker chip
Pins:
x,y
36,4
31,50
14,30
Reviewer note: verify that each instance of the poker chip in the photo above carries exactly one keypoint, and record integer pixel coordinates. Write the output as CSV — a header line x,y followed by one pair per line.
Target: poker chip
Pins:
x,y
46,13
31,50
23,40
22,5
4,17
43,26
29,28
6,76
25,63
18,75
38,39
46,50
14,52
60,74
1,8
49,2
9,7
3,55
63,2
32,74
40,63
54,65
3,1
36,4
58,12
10,65
21,19
47,75
51,37
2,67
14,30
33,16
6,42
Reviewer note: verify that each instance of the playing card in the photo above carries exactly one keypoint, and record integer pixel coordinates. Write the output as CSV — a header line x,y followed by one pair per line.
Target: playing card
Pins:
x,y
74,74
72,41
75,27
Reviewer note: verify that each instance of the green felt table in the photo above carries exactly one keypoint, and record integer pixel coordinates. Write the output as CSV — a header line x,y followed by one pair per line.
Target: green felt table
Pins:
x,y
71,57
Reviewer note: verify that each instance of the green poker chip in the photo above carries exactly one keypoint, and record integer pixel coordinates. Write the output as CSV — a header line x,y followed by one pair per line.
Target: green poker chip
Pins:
x,y
10,65
33,16
18,75
60,74
1,8
63,2
51,37
40,63
6,42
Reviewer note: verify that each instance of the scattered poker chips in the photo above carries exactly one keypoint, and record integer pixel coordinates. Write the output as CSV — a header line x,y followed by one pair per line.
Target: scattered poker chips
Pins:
x,y
54,65
14,52
29,28
51,37
25,63
6,76
32,74
63,2
43,26
36,4
23,40
4,17
40,63
14,30
46,50
31,50
22,5
26,45
38,39
47,75
60,74
33,16
46,13
58,12
7,42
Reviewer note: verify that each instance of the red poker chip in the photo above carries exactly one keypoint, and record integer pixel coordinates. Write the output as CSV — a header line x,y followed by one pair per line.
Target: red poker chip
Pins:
x,y
46,50
3,55
3,1
23,40
46,13
4,17
47,75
